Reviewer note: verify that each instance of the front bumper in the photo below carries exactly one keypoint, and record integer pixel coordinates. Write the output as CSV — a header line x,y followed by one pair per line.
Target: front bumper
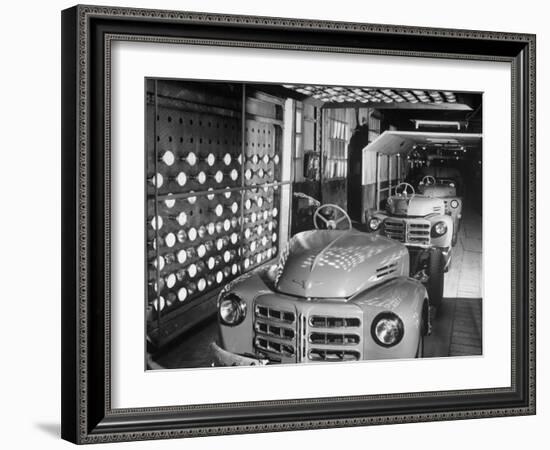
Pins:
x,y
224,358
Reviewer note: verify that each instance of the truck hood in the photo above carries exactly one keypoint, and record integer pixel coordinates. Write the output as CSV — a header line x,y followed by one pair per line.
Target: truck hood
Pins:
x,y
338,264
415,205
438,190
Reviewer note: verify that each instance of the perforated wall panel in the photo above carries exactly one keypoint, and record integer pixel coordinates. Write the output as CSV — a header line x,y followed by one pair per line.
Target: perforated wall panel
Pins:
x,y
213,197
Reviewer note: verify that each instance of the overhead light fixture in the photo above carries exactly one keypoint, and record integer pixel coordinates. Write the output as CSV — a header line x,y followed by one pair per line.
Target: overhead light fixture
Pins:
x,y
436,124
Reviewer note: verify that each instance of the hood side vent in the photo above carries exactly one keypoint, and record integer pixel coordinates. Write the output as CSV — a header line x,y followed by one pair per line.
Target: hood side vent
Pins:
x,y
386,270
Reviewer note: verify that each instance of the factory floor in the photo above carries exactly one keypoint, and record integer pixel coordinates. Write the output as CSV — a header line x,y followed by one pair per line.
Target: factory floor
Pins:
x,y
456,330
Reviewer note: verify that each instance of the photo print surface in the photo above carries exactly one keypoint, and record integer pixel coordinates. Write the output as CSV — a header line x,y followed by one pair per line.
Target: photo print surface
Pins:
x,y
294,223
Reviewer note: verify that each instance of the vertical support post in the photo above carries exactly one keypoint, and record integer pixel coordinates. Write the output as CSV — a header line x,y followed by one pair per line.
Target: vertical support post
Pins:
x,y
243,164
390,157
398,168
377,180
156,218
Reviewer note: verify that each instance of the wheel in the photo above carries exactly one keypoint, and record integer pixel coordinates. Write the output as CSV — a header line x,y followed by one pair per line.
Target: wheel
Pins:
x,y
420,348
434,286
424,330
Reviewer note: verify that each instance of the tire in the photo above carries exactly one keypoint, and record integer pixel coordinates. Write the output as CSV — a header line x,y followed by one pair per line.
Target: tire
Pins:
x,y
420,348
434,286
423,331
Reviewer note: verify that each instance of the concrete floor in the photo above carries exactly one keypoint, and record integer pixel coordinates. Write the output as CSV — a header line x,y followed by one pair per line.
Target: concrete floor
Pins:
x,y
456,331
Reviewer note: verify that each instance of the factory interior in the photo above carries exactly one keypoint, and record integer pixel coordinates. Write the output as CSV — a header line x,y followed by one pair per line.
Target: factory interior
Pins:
x,y
234,170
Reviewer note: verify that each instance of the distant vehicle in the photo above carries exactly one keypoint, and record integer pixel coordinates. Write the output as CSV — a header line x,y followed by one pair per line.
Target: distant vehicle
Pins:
x,y
445,173
421,223
336,294
446,190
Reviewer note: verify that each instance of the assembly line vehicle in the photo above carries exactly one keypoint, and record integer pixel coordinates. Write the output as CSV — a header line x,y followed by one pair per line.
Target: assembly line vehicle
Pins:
x,y
421,223
336,294
445,189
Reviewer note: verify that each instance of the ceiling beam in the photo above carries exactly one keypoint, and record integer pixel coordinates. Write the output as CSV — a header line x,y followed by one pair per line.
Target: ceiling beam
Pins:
x,y
402,106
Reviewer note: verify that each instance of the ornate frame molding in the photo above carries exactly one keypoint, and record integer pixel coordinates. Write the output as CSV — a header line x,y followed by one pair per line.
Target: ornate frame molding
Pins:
x,y
87,422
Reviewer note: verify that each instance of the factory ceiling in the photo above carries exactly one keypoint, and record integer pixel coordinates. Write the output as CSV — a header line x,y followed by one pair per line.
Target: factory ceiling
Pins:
x,y
381,98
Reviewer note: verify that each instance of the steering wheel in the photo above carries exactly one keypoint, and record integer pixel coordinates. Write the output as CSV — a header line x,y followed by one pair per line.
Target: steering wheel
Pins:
x,y
331,224
428,180
404,192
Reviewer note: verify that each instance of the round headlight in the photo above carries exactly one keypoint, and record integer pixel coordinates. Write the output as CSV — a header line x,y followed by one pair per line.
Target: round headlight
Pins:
x,y
454,203
232,310
439,229
374,223
387,329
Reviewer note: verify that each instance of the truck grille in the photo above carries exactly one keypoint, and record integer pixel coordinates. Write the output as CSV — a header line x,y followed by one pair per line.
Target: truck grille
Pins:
x,y
408,231
274,347
275,331
334,339
333,322
418,233
395,229
329,345
275,314
294,332
333,355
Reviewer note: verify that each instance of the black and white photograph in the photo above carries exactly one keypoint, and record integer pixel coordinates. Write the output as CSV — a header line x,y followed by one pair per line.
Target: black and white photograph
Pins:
x,y
297,224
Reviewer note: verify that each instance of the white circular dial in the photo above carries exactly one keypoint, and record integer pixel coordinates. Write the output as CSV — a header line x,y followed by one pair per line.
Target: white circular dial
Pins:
x,y
170,239
171,280
170,202
157,180
182,294
182,256
181,178
192,270
182,218
201,284
191,159
156,222
168,158
211,228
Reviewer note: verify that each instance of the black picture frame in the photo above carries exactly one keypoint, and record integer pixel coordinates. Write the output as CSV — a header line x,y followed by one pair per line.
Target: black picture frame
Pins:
x,y
87,415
